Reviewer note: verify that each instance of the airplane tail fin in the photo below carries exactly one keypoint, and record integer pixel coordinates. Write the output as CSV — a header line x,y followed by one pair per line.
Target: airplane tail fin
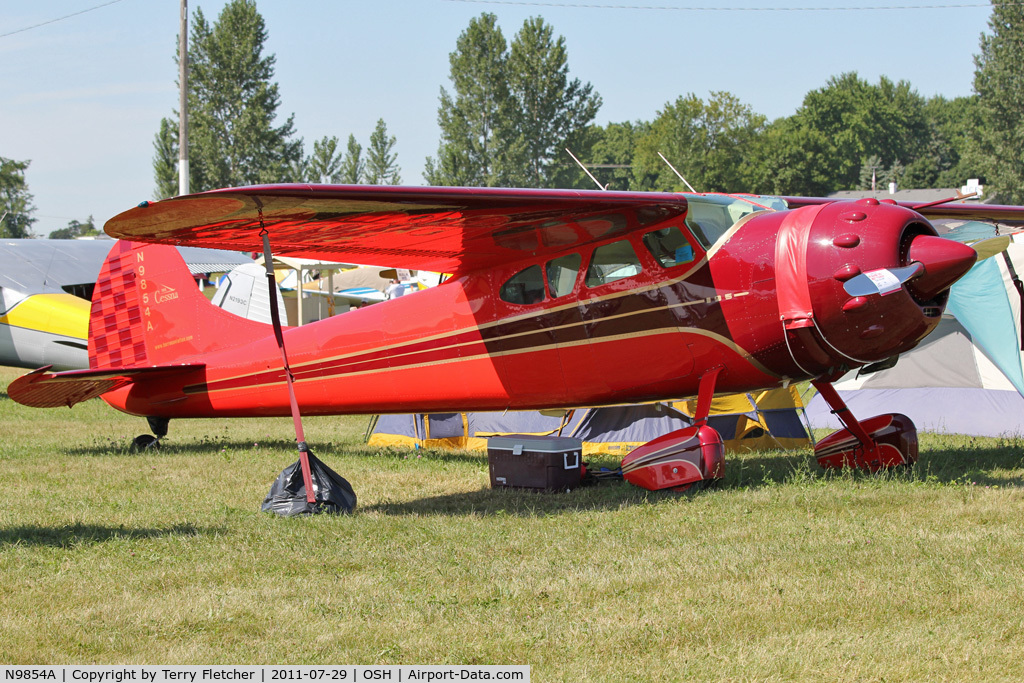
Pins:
x,y
148,320
147,311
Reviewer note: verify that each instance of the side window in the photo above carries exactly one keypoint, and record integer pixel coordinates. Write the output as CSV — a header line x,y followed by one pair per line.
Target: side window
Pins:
x,y
561,274
525,287
612,262
669,247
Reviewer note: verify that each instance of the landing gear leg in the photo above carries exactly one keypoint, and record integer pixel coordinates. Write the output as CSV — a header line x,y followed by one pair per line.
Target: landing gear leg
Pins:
x,y
158,425
880,442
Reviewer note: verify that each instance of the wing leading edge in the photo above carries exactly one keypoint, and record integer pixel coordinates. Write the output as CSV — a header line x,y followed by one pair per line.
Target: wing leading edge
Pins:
x,y
953,210
439,229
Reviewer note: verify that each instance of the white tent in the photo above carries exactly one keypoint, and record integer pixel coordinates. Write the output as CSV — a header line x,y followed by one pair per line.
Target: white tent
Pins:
x,y
945,385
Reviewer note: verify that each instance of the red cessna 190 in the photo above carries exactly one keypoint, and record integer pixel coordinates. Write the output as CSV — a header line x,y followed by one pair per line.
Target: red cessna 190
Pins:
x,y
557,298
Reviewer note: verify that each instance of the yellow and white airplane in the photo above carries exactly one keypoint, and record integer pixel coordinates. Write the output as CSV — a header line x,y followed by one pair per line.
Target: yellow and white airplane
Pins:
x,y
45,293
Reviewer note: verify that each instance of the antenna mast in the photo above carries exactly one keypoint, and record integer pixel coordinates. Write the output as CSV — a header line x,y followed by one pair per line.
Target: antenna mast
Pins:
x,y
677,172
580,164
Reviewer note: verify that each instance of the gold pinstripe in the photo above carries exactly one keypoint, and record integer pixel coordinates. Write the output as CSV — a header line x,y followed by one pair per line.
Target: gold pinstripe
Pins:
x,y
512,352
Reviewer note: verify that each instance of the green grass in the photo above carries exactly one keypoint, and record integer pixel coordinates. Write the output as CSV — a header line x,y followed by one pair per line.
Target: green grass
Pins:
x,y
783,572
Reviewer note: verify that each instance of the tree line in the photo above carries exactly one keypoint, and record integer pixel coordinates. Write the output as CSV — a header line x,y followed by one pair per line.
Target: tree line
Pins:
x,y
513,109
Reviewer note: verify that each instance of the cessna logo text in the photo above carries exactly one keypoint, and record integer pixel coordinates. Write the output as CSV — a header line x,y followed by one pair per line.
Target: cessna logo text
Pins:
x,y
165,294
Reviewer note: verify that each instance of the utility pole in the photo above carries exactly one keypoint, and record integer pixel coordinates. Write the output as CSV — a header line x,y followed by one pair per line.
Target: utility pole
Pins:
x,y
183,101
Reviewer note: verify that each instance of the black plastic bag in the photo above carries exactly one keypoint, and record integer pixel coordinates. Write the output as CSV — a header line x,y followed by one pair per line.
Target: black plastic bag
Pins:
x,y
287,496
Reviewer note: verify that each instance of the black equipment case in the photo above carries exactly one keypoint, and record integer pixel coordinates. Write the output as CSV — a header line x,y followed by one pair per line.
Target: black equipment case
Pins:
x,y
549,463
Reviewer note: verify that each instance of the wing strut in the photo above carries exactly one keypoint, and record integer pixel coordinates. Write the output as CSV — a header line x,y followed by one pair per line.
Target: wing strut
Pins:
x,y
275,318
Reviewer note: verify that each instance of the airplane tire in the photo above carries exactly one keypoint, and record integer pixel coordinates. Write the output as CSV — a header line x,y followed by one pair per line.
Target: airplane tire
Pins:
x,y
144,442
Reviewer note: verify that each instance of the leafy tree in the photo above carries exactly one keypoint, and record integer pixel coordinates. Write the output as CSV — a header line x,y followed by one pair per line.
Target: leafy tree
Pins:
x,y
353,167
76,229
513,111
706,142
300,170
945,161
470,119
232,105
859,120
999,84
325,164
547,109
15,200
165,159
381,168
893,174
611,156
870,172
790,159
566,173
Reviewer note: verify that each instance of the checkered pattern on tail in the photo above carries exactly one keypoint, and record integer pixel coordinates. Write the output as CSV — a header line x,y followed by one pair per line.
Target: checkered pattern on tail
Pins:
x,y
115,325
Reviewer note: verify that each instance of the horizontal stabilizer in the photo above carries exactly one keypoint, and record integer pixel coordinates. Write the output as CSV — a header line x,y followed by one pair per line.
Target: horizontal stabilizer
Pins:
x,y
43,389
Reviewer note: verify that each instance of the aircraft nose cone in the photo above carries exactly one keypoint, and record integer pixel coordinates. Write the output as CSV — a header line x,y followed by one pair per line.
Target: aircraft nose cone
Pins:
x,y
944,261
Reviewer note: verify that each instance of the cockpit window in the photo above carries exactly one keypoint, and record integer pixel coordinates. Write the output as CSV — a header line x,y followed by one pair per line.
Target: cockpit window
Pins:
x,y
669,246
525,287
612,262
710,216
561,274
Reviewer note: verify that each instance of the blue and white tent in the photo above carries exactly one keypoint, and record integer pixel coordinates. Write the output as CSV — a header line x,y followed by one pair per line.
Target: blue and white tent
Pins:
x,y
766,420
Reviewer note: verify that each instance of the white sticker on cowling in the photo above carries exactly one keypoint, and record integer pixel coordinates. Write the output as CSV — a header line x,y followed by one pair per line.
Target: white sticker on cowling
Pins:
x,y
885,280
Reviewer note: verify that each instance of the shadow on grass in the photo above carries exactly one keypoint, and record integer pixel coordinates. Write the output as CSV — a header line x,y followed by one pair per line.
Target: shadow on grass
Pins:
x,y
85,534
523,503
978,464
168,446
977,461
326,451
981,464
953,461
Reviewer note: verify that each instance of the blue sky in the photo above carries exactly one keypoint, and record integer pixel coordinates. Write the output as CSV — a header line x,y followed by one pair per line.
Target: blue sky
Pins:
x,y
83,97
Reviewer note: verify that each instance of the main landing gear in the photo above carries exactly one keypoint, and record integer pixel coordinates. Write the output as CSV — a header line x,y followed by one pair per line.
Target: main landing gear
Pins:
x,y
694,455
688,457
880,442
144,442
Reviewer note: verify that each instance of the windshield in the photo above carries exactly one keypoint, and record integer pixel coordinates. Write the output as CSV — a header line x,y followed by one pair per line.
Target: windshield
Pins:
x,y
710,216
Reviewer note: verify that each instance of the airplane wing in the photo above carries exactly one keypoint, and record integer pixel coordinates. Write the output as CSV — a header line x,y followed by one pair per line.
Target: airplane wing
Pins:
x,y
441,229
43,389
965,211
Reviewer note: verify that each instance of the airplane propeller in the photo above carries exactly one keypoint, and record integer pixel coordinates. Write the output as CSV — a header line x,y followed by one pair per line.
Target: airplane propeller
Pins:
x,y
991,246
936,263
882,281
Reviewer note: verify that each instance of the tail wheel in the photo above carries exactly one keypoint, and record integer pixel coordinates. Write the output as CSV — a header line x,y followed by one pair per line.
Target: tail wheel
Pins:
x,y
145,442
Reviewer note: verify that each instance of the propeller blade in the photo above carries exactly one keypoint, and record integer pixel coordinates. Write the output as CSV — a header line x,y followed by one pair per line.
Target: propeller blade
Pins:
x,y
882,281
991,246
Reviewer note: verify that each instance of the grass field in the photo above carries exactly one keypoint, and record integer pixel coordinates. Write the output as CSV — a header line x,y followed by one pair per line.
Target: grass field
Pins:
x,y
782,573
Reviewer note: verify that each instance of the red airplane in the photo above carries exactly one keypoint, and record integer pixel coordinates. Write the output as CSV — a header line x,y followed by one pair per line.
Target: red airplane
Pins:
x,y
557,298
